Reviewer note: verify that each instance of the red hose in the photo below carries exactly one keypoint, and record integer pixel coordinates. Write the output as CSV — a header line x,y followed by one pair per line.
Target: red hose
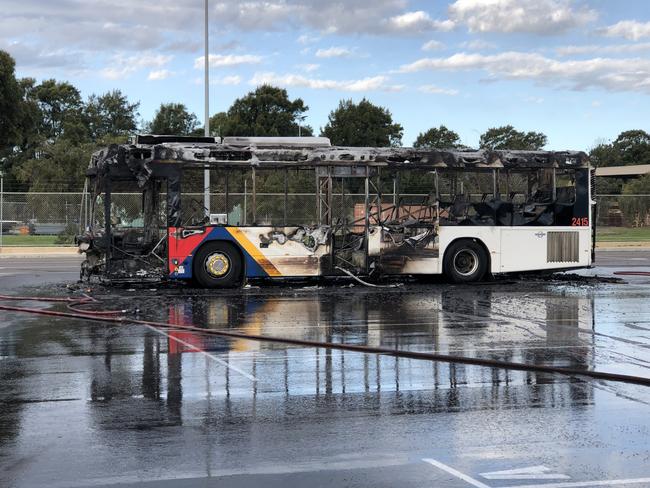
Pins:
x,y
40,299
72,303
492,363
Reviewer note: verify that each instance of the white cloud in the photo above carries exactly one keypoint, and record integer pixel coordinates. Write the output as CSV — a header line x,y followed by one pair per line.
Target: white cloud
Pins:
x,y
376,83
122,66
416,22
221,60
376,17
601,49
629,74
310,67
629,29
432,46
334,52
436,90
545,17
536,100
477,45
305,39
226,80
160,74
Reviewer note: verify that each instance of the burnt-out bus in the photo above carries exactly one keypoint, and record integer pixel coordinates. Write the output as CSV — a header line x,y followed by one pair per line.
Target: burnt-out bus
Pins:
x,y
299,207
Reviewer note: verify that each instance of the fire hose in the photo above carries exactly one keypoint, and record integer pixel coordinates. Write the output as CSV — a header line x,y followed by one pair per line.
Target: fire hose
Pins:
x,y
111,317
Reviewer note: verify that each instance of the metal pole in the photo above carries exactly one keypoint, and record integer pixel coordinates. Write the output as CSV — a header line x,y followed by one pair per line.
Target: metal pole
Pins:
x,y
2,191
206,171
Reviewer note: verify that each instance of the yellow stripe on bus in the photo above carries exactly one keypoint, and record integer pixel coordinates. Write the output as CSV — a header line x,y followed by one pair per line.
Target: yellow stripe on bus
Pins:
x,y
253,251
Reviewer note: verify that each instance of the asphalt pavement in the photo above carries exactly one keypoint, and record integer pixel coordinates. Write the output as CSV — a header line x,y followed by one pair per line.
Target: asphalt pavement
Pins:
x,y
90,404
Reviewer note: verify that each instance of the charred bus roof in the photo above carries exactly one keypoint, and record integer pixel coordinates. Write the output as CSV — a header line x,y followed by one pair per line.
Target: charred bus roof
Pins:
x,y
149,155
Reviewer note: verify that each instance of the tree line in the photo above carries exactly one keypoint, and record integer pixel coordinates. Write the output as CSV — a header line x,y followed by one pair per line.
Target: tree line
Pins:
x,y
48,131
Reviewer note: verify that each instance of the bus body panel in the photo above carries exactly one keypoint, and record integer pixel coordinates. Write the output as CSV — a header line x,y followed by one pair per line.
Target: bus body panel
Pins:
x,y
522,248
271,252
264,256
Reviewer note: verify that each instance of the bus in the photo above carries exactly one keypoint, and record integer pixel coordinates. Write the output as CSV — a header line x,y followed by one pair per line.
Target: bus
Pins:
x,y
299,207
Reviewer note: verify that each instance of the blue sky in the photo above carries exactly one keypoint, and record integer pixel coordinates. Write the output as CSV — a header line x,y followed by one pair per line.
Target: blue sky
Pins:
x,y
578,71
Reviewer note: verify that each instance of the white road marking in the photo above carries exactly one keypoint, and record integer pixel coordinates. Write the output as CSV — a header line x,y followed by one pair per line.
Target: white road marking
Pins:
x,y
530,473
201,351
589,484
455,473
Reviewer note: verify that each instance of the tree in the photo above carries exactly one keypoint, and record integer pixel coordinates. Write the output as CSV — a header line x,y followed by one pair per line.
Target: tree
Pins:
x,y
604,154
61,109
173,119
10,101
220,124
633,147
362,124
266,111
438,137
60,166
110,114
636,207
507,137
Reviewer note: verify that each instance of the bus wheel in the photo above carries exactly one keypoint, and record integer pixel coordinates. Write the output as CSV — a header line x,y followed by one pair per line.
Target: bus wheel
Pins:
x,y
218,264
465,261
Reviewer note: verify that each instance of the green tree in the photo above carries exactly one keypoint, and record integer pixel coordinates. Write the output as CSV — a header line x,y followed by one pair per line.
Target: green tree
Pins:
x,y
633,147
507,137
362,124
10,103
637,208
61,109
438,137
60,166
266,111
220,124
604,154
111,114
173,119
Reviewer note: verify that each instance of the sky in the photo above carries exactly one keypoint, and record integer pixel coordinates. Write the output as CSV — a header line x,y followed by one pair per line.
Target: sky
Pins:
x,y
579,71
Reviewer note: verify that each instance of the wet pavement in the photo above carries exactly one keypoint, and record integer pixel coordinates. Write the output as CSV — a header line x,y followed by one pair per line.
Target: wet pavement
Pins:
x,y
92,404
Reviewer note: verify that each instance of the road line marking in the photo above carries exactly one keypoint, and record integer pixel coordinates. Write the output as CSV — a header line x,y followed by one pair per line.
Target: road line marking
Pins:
x,y
589,484
207,354
538,472
455,473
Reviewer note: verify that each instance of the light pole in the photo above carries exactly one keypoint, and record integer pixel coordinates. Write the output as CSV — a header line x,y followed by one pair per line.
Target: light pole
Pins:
x,y
301,119
2,195
206,171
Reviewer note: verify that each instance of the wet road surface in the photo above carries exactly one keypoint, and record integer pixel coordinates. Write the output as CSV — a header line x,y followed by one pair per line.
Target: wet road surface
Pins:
x,y
90,404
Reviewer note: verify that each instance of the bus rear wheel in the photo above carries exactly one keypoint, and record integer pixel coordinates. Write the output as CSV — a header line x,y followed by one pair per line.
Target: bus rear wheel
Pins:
x,y
218,265
465,261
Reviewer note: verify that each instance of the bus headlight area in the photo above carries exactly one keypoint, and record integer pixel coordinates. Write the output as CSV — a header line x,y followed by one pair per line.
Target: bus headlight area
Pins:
x,y
300,208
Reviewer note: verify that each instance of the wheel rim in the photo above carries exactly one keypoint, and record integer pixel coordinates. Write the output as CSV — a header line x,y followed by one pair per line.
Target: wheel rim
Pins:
x,y
466,262
217,264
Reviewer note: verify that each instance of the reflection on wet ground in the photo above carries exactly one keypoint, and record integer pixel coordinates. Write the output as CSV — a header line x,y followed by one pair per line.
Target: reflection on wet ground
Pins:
x,y
79,399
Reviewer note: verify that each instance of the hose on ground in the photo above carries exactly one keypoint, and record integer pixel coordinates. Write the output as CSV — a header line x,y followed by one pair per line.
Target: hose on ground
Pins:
x,y
427,356
365,283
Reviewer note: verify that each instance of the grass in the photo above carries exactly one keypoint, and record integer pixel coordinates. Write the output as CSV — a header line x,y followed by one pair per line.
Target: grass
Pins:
x,y
27,240
623,234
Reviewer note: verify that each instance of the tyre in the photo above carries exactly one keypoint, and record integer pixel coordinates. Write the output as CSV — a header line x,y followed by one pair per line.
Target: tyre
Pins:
x,y
218,264
465,261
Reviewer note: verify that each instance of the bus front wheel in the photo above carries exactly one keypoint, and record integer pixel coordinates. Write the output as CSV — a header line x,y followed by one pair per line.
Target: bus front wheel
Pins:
x,y
218,265
465,261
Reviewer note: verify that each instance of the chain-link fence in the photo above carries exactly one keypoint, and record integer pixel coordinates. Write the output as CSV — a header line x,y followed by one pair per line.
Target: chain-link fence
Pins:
x,y
63,215
623,210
